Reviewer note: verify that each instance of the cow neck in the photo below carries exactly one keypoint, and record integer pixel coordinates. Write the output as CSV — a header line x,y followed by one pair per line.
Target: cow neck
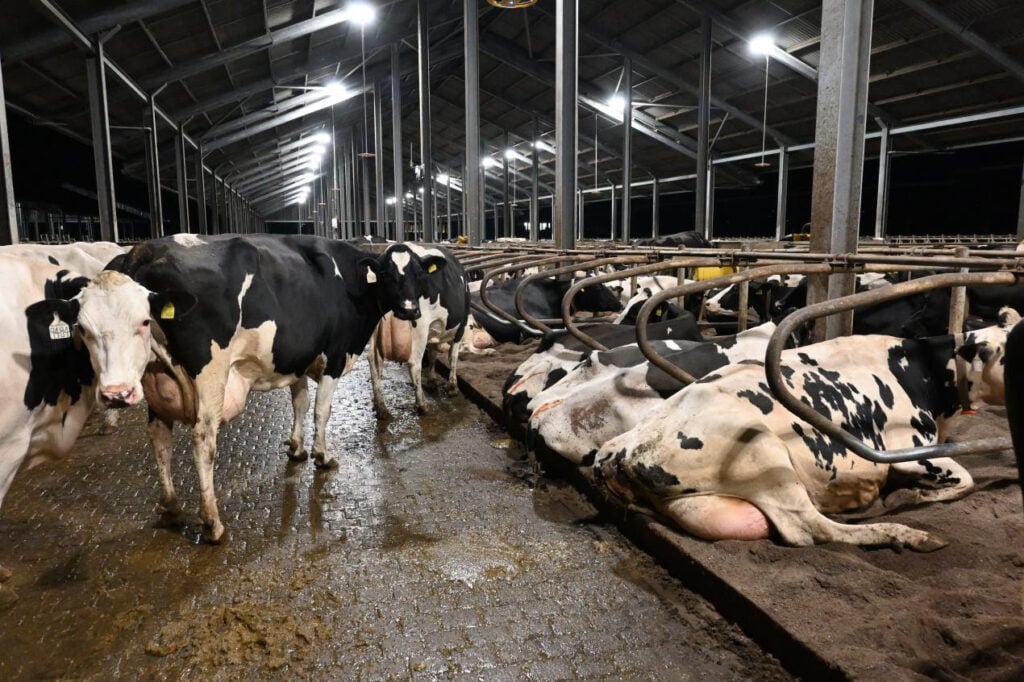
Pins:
x,y
934,388
158,344
960,368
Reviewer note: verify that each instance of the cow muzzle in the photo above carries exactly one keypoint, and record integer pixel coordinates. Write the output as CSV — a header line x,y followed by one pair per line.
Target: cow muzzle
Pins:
x,y
119,395
408,310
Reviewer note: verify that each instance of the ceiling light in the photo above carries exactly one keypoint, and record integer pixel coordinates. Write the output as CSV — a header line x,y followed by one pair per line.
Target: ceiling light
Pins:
x,y
313,163
361,13
617,102
420,190
318,150
762,44
488,162
307,177
442,179
510,153
323,137
408,195
336,90
390,201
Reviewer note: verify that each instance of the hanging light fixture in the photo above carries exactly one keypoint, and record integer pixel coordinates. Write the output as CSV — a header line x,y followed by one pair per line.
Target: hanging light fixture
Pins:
x,y
763,44
512,4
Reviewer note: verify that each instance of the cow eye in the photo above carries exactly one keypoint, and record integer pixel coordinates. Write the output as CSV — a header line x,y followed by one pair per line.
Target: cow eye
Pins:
x,y
145,323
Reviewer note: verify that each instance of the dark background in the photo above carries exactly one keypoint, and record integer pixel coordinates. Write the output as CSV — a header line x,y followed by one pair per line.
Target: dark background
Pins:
x,y
971,191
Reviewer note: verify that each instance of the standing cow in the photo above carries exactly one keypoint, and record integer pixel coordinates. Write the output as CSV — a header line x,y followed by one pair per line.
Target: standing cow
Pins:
x,y
50,320
443,299
250,312
724,460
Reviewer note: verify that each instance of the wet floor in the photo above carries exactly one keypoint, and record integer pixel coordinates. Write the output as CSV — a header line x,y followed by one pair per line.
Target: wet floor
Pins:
x,y
431,553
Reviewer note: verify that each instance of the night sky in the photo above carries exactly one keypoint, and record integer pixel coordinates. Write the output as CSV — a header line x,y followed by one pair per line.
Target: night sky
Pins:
x,y
973,191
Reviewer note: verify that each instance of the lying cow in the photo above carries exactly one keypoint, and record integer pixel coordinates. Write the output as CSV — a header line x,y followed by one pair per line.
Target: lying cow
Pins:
x,y
51,366
723,460
610,392
250,312
444,307
559,352
542,300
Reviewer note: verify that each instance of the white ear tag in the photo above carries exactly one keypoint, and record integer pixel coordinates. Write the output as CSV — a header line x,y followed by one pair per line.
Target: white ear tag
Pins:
x,y
59,330
371,276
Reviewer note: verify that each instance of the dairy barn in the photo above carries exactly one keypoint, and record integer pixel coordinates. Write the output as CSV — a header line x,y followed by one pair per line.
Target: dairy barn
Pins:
x,y
511,339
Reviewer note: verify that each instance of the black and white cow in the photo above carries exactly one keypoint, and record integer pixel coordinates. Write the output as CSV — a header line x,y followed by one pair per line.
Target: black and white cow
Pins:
x,y
690,240
51,368
610,392
542,300
249,312
559,352
444,308
1015,395
723,460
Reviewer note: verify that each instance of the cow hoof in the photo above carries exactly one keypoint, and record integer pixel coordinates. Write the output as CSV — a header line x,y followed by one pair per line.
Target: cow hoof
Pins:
x,y
929,543
172,518
213,532
301,456
422,410
107,429
323,464
5,574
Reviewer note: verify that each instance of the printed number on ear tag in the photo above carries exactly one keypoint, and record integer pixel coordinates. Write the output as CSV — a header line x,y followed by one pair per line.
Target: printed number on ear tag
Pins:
x,y
167,312
432,267
59,330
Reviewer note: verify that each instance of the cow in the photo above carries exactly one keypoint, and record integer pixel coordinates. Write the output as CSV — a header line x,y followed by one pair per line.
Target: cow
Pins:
x,y
1015,396
542,299
690,240
723,459
87,259
51,369
559,352
250,312
444,308
610,392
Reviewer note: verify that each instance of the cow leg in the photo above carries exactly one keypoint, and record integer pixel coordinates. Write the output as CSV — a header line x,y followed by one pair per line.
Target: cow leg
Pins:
x,y
453,363
300,405
204,449
939,480
376,359
321,414
415,365
161,437
11,458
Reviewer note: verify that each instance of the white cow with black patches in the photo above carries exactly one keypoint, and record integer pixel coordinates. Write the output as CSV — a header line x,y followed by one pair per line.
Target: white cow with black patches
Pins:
x,y
723,460
610,392
436,284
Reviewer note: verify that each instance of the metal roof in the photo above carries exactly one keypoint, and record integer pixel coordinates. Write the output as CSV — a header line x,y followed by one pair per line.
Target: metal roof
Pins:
x,y
238,75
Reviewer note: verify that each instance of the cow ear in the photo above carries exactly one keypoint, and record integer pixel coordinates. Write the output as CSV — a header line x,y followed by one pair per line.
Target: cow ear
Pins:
x,y
432,264
978,354
50,322
171,305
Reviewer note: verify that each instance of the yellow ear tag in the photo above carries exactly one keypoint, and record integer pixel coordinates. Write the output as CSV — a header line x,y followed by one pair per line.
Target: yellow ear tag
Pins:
x,y
432,267
167,312
658,312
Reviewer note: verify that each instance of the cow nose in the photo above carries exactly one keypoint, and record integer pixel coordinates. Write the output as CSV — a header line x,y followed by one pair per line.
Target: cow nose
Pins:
x,y
120,395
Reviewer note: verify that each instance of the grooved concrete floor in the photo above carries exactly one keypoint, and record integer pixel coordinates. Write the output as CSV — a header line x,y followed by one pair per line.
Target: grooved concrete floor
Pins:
x,y
429,554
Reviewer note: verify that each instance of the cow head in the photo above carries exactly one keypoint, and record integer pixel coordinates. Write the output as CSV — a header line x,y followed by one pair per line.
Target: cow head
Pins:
x,y
400,275
984,353
597,298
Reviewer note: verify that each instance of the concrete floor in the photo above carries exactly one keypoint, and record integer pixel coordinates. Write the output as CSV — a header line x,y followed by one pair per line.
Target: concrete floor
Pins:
x,y
431,553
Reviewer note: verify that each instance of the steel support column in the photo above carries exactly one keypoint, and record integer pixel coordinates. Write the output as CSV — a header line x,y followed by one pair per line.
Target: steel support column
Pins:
x,y
201,224
655,208
153,177
782,194
613,220
700,219
364,176
378,157
627,149
566,56
423,33
534,184
396,139
506,207
180,161
471,197
8,215
839,147
214,206
882,200
448,207
1020,209
102,158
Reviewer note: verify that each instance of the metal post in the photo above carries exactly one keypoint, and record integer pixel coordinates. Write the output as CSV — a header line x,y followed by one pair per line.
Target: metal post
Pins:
x,y
448,207
396,139
364,175
152,181
423,32
179,161
535,184
8,216
613,221
882,200
700,219
655,208
214,207
102,158
506,212
378,158
839,147
201,225
471,198
566,56
1020,209
783,194
627,148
